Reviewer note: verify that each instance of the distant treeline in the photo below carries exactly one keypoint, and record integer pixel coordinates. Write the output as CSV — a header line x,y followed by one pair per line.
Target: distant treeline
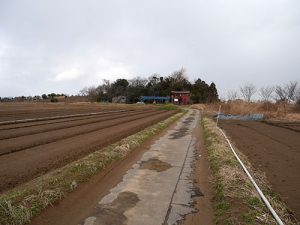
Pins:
x,y
155,85
44,97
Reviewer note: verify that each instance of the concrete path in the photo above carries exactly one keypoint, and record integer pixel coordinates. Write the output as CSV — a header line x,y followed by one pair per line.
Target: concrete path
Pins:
x,y
158,189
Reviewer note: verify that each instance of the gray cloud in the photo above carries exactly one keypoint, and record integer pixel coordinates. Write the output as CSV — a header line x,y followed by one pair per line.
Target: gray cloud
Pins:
x,y
62,46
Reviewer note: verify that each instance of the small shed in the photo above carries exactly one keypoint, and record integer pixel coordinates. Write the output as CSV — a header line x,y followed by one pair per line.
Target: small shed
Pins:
x,y
158,99
119,99
180,97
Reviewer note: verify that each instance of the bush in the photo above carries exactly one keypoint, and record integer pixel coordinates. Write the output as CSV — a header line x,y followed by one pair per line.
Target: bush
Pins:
x,y
54,100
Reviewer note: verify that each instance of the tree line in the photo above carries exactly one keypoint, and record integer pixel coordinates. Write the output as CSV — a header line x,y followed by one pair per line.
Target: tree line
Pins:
x,y
155,85
289,93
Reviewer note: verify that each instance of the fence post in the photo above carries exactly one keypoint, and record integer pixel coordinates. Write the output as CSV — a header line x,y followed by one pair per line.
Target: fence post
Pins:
x,y
218,115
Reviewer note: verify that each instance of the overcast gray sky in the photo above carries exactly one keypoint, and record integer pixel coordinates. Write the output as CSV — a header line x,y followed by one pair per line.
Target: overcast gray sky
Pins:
x,y
63,45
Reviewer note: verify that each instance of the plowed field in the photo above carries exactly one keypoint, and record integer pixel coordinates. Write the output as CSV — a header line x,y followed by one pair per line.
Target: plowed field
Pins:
x,y
44,139
273,148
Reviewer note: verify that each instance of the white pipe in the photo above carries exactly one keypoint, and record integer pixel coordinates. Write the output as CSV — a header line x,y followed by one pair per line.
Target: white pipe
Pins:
x,y
218,115
261,194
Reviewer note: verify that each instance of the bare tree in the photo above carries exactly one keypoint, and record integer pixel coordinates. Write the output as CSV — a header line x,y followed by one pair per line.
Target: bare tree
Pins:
x,y
232,95
287,93
83,91
291,90
247,91
297,95
281,94
179,75
106,85
138,82
90,92
266,93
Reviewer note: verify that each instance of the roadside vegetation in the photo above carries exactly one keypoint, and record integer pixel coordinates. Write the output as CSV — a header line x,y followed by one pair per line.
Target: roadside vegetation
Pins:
x,y
19,205
275,102
271,110
235,199
168,107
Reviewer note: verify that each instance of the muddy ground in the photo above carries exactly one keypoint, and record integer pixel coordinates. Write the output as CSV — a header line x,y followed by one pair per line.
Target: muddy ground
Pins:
x,y
30,149
273,148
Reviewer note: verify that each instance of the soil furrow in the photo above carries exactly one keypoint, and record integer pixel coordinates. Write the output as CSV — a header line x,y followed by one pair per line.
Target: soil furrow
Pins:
x,y
17,115
23,166
53,117
22,143
273,150
61,125
40,123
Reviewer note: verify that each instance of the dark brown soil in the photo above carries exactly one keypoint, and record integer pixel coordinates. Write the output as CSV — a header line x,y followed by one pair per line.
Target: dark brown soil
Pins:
x,y
30,137
35,148
78,204
81,202
274,149
17,111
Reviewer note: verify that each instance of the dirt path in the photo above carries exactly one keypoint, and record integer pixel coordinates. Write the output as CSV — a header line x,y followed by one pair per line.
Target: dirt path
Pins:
x,y
274,149
39,158
154,185
202,178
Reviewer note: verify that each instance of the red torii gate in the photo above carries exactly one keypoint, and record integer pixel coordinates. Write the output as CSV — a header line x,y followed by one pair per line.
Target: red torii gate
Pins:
x,y
180,97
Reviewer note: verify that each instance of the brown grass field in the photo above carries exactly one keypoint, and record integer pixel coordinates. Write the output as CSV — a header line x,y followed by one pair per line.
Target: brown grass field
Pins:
x,y
272,111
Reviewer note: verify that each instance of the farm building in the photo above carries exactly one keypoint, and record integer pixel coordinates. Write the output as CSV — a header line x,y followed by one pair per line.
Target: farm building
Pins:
x,y
180,97
156,99
119,99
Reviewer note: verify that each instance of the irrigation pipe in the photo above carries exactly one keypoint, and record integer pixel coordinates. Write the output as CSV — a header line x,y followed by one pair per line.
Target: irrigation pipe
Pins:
x,y
261,194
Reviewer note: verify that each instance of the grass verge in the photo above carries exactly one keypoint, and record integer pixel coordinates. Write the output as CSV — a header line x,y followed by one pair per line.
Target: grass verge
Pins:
x,y
20,204
168,107
236,200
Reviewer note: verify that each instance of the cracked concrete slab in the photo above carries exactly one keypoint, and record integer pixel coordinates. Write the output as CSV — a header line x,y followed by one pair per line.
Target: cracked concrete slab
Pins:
x,y
160,181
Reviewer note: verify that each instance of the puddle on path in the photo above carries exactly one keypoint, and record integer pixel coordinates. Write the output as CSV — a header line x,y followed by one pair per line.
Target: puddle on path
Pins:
x,y
182,131
113,213
155,164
